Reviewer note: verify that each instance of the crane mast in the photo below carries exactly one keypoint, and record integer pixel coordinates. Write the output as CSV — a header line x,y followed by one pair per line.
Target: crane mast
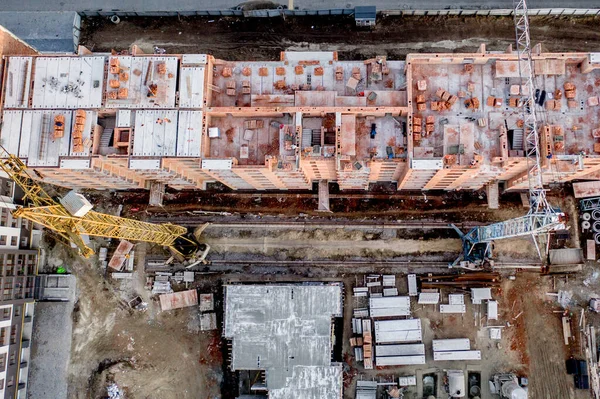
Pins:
x,y
49,213
542,217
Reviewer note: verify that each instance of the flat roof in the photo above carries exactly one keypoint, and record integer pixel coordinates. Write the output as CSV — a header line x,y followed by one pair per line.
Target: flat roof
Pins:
x,y
155,133
286,331
189,133
191,87
68,82
18,82
136,75
29,134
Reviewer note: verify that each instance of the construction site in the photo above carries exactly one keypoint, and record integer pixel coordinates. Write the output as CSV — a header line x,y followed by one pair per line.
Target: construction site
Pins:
x,y
302,224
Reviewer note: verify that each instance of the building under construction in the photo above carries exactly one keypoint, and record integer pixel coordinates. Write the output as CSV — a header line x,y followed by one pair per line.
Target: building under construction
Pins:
x,y
432,122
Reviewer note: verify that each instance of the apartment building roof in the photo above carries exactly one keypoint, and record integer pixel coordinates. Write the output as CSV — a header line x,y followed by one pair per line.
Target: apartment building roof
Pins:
x,y
434,121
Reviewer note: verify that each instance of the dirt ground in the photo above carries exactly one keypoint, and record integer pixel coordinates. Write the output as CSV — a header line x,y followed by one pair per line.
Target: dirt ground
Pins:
x,y
263,38
147,354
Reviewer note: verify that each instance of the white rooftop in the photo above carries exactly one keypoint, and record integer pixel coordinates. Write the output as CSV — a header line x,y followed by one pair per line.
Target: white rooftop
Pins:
x,y
155,133
68,82
191,87
285,330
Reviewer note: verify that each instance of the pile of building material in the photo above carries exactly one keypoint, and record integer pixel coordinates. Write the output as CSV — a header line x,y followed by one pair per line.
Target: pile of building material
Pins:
x,y
161,283
456,304
454,349
398,331
366,389
388,336
467,280
389,280
478,295
121,255
407,381
399,355
447,100
114,392
59,127
430,297
390,306
472,103
412,285
367,344
208,318
494,102
177,300
80,117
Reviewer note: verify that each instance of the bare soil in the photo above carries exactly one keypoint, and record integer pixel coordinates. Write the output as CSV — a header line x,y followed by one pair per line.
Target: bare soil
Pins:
x,y
264,38
148,354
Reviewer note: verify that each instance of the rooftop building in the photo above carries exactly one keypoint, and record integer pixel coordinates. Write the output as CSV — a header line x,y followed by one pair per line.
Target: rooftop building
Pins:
x,y
286,330
432,122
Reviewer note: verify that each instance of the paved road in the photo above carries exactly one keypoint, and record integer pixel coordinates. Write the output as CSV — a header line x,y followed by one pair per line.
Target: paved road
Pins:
x,y
205,5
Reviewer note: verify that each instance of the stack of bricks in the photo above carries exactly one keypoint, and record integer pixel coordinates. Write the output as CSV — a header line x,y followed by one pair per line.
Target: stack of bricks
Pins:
x,y
552,105
279,85
246,89
421,102
115,68
447,102
472,103
558,138
254,124
494,102
59,126
80,117
429,125
121,76
417,128
231,88
570,93
226,72
596,135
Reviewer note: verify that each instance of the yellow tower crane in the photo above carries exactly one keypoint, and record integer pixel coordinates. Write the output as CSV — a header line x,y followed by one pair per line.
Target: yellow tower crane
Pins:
x,y
44,210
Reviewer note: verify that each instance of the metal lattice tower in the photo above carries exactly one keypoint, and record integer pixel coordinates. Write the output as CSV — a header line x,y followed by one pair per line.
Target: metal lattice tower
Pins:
x,y
537,195
541,218
51,214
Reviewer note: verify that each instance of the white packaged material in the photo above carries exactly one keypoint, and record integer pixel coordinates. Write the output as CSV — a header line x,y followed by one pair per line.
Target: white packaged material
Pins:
x,y
399,360
429,298
407,381
399,350
453,308
445,345
456,355
412,285
492,310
